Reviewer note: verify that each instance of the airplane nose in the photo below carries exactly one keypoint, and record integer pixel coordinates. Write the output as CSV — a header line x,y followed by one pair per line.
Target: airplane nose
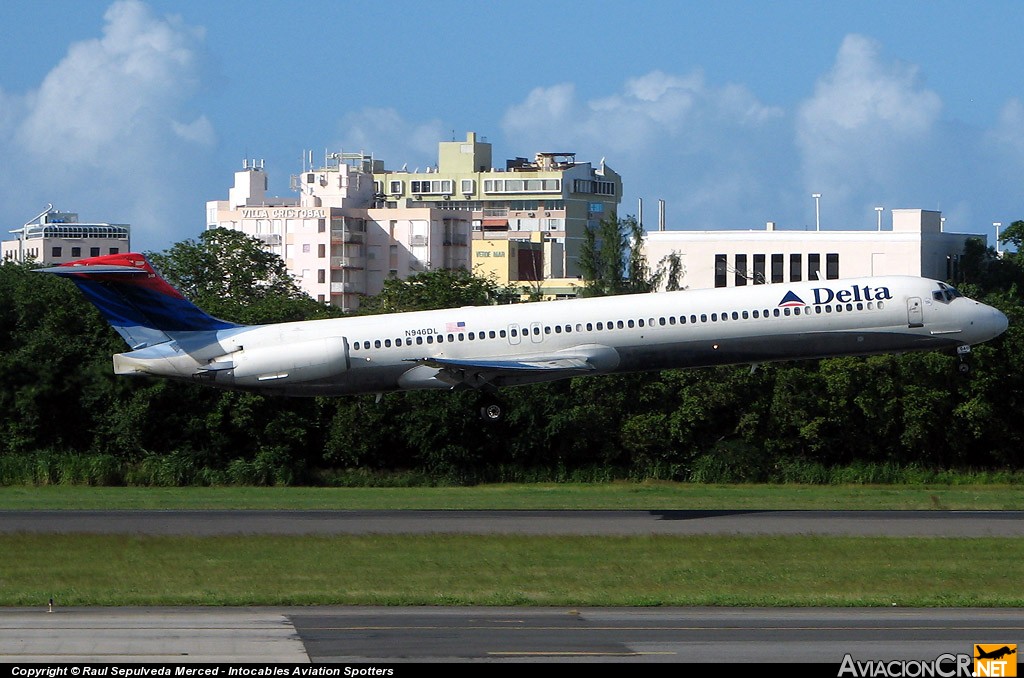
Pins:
x,y
1000,322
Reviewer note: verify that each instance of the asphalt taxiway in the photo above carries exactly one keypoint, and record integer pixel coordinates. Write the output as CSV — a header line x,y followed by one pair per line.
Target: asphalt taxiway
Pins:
x,y
525,522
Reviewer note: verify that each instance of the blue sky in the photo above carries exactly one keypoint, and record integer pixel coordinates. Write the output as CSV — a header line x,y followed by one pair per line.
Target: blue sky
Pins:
x,y
732,112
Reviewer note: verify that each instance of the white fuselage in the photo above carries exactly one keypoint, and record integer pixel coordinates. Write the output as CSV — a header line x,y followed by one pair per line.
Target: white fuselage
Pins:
x,y
523,343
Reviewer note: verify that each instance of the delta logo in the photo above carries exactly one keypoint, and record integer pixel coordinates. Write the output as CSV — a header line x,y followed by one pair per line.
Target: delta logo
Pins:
x,y
826,295
995,660
791,300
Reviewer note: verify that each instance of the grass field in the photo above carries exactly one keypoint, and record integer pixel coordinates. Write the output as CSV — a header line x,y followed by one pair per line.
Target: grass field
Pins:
x,y
513,570
474,570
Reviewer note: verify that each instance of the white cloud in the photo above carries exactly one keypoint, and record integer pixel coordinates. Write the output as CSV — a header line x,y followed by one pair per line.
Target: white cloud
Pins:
x,y
868,132
711,152
102,134
1008,135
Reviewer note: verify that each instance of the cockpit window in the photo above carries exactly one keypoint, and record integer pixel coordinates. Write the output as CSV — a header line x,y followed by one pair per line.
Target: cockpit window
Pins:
x,y
945,293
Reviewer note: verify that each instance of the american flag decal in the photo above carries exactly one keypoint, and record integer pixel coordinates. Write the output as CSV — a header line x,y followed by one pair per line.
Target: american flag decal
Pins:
x,y
455,327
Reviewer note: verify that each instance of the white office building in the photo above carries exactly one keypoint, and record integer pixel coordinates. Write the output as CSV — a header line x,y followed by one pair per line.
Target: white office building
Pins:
x,y
54,237
916,244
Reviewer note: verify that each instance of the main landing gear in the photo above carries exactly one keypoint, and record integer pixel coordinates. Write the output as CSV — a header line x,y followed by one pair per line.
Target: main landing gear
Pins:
x,y
492,410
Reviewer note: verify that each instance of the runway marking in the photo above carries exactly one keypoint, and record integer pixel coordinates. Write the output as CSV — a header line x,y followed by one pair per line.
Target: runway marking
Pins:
x,y
670,628
575,654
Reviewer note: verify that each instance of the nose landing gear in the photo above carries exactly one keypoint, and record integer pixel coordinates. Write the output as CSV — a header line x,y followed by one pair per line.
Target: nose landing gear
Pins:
x,y
964,352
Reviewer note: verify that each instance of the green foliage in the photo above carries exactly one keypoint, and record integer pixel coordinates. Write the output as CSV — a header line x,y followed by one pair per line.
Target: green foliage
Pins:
x,y
439,288
230,275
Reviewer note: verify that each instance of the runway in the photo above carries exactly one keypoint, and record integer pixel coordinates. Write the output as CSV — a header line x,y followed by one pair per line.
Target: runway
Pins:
x,y
528,522
511,635
421,635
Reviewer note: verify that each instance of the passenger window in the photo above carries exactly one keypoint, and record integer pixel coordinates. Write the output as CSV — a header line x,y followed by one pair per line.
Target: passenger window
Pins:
x,y
671,320
430,338
661,321
501,333
880,306
703,317
756,314
558,329
387,343
547,330
451,337
590,327
745,315
628,324
600,326
785,311
419,340
376,343
775,312
619,324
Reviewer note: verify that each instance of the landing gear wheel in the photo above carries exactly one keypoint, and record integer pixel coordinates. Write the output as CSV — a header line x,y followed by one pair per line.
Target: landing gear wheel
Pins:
x,y
491,412
964,352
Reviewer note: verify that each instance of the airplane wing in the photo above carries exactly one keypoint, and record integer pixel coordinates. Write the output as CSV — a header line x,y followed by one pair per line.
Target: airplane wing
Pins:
x,y
493,370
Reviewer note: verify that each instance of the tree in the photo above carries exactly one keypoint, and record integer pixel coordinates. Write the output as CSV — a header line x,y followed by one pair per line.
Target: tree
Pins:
x,y
440,288
1014,234
612,259
229,274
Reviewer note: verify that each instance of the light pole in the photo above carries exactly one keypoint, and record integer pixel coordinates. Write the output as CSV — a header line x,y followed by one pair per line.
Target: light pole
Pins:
x,y
998,224
817,211
879,210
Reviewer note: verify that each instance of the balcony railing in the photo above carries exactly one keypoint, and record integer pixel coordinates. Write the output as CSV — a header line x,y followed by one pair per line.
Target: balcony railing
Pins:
x,y
348,262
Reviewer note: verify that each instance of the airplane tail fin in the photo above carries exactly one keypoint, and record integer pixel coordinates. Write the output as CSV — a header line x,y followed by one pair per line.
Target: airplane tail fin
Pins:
x,y
143,307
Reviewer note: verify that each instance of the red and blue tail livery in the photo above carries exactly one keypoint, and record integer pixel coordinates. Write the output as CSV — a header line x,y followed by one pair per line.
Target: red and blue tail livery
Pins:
x,y
490,347
135,300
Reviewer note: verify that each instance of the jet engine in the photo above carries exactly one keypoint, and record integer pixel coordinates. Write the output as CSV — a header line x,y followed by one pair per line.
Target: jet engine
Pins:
x,y
300,361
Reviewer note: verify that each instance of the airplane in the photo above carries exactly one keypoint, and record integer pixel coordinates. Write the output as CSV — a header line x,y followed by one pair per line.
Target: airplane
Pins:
x,y
490,347
995,654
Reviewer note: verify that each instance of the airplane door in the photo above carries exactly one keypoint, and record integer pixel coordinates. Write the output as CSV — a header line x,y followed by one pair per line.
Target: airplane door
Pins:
x,y
513,334
915,312
536,333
